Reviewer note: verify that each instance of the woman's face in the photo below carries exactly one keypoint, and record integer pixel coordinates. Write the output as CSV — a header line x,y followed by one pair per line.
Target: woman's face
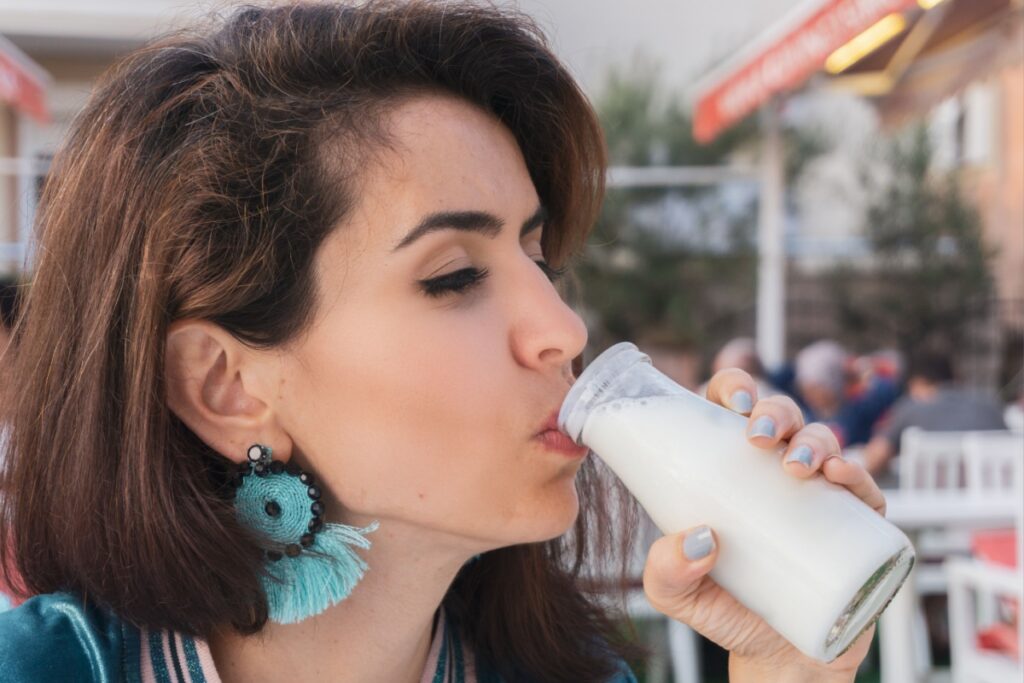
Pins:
x,y
419,392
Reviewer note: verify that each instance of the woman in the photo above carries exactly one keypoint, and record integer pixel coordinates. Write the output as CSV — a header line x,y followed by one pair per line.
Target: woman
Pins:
x,y
319,243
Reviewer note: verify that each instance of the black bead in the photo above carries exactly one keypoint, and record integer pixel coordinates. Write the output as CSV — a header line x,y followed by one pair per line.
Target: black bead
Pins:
x,y
292,468
306,478
243,467
272,508
276,467
292,550
306,540
314,492
260,470
316,524
274,556
317,508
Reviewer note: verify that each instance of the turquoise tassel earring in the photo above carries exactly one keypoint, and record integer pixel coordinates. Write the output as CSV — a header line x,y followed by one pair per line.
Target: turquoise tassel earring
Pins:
x,y
314,564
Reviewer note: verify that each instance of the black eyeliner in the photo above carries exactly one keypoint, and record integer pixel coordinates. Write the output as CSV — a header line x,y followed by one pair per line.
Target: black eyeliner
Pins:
x,y
455,282
462,280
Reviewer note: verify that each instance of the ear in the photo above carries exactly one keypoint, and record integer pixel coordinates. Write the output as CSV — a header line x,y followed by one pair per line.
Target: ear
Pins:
x,y
215,386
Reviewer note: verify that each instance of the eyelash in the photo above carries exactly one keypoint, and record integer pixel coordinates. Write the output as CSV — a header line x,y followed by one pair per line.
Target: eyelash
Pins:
x,y
461,281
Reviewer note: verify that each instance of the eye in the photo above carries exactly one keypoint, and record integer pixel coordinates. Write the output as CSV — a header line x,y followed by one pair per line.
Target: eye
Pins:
x,y
457,282
461,281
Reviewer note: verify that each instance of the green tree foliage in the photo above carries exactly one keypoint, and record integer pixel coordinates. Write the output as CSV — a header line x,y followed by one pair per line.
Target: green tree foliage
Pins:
x,y
929,275
636,284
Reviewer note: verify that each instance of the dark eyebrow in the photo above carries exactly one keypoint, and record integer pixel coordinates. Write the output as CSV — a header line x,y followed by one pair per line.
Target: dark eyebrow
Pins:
x,y
487,224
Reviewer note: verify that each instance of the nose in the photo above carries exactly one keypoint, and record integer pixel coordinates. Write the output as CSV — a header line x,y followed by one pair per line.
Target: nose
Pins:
x,y
545,332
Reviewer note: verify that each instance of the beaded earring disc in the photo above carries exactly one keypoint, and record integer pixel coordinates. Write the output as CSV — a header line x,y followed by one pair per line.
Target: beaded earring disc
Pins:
x,y
311,564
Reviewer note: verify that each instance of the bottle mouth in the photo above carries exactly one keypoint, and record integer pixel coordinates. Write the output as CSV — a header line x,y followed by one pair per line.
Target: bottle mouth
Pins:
x,y
869,603
591,388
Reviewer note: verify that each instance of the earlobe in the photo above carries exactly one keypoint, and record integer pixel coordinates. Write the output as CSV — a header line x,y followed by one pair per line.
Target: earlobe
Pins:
x,y
206,371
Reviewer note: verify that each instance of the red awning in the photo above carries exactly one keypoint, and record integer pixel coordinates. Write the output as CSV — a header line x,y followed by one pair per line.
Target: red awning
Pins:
x,y
783,59
22,82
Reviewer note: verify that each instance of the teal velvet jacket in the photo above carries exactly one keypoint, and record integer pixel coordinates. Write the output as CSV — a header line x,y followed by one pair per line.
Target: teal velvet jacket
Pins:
x,y
57,637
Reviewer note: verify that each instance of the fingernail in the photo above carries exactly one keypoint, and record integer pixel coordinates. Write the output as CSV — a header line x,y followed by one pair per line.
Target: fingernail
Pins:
x,y
698,544
801,454
763,426
741,401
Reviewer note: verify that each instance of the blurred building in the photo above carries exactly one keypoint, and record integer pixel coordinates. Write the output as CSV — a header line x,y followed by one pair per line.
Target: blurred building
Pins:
x,y
857,67
60,47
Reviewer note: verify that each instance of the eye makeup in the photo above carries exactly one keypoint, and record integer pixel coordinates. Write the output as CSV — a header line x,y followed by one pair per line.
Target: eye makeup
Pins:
x,y
463,280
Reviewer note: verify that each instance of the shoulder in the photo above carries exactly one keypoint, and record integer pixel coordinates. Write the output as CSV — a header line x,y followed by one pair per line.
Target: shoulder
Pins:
x,y
903,410
60,637
972,397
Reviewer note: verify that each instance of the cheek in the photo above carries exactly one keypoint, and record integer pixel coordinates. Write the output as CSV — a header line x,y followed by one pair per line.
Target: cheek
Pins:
x,y
395,409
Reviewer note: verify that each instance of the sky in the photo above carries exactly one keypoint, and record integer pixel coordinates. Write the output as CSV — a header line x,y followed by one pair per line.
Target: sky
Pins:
x,y
685,37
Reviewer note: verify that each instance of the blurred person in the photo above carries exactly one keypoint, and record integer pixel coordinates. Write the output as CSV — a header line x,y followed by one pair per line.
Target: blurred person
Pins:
x,y
933,402
741,353
310,254
820,380
885,364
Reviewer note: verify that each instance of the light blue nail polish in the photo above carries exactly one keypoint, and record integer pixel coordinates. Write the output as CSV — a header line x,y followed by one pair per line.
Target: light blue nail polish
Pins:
x,y
741,401
763,426
698,544
801,454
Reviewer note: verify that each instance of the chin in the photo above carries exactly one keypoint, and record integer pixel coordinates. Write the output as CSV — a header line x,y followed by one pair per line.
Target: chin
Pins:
x,y
561,513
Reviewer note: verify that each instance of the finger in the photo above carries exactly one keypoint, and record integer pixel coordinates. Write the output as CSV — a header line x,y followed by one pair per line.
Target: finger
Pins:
x,y
675,566
808,449
774,419
854,477
734,389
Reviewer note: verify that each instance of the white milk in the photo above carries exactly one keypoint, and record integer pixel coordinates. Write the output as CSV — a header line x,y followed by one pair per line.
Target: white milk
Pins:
x,y
806,555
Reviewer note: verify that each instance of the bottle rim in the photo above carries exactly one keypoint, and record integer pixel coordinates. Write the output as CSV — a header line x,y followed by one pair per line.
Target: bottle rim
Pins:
x,y
593,382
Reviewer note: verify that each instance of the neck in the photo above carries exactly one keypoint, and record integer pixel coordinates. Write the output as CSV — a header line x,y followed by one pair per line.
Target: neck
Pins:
x,y
380,633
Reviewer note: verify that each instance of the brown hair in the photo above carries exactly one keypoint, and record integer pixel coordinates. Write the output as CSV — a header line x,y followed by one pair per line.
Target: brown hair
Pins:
x,y
190,186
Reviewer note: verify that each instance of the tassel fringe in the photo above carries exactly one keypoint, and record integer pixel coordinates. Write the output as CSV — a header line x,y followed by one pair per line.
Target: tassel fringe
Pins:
x,y
324,574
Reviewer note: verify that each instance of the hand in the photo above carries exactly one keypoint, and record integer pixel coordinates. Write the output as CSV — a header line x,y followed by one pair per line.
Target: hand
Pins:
x,y
681,589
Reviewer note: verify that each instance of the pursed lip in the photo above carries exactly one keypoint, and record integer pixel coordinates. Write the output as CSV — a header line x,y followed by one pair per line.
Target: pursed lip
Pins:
x,y
550,424
554,439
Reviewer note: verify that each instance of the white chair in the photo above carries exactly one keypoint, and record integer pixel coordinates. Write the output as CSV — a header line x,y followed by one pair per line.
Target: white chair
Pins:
x,y
936,463
1013,416
931,461
975,587
992,459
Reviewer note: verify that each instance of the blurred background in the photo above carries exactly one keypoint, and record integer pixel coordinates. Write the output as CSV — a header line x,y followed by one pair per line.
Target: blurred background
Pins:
x,y
827,193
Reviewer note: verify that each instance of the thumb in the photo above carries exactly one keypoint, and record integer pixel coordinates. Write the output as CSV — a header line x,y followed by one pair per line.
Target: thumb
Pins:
x,y
675,566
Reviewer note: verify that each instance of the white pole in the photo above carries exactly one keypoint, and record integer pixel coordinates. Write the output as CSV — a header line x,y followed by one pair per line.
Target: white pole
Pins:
x,y
771,271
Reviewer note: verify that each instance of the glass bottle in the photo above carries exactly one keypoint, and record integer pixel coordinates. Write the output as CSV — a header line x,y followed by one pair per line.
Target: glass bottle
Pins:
x,y
813,560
